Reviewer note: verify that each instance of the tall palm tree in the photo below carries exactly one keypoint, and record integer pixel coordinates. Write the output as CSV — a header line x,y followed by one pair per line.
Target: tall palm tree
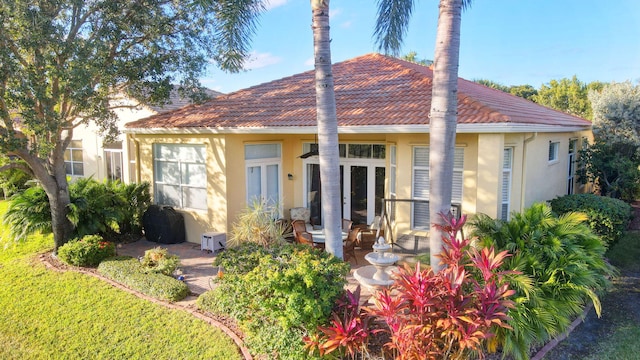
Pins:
x,y
391,26
327,128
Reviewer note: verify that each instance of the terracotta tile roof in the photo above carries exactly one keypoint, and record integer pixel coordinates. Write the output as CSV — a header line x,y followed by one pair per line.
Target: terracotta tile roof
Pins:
x,y
371,90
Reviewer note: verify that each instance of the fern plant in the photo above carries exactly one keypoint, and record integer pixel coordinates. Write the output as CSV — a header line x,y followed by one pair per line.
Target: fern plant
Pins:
x,y
562,268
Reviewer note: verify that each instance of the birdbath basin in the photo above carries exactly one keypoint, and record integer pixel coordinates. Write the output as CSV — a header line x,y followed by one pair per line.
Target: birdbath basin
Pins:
x,y
378,273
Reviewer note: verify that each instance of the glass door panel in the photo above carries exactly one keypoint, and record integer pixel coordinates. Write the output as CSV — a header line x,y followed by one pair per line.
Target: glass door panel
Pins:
x,y
254,184
358,194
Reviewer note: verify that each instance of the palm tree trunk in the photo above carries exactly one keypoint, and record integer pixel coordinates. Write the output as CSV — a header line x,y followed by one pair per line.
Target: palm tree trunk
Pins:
x,y
443,118
327,128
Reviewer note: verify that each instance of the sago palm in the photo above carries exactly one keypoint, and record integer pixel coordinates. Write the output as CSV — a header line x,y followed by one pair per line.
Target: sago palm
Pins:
x,y
562,268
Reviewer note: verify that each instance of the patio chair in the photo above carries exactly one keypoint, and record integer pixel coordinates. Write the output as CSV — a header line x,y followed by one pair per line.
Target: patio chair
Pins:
x,y
306,238
346,225
369,234
298,226
301,213
349,245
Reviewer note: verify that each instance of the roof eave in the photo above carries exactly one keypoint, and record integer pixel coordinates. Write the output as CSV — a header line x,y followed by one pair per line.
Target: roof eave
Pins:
x,y
366,129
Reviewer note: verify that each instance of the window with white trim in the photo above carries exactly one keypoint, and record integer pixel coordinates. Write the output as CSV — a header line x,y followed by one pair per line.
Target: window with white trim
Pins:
x,y
507,166
420,210
263,164
73,159
554,147
180,175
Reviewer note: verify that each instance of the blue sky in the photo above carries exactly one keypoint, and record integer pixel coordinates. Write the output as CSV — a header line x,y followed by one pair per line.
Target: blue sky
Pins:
x,y
512,42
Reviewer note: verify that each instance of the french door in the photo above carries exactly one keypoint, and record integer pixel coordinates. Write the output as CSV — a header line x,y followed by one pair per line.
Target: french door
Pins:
x,y
362,190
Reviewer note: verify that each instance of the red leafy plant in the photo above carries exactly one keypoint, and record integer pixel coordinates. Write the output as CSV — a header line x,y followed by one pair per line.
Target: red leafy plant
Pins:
x,y
449,314
348,331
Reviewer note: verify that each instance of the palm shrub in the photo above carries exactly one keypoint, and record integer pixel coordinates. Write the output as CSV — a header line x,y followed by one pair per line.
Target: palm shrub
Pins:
x,y
28,213
562,268
108,209
607,217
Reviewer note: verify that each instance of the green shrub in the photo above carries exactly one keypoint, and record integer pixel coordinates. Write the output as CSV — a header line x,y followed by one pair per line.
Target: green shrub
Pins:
x,y
241,259
109,209
158,260
128,271
289,288
88,251
562,268
607,217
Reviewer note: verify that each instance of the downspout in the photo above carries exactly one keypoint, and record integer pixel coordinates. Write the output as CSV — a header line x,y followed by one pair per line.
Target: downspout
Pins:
x,y
524,168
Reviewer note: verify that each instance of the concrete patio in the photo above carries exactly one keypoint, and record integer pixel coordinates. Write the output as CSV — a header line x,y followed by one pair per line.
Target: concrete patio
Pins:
x,y
197,265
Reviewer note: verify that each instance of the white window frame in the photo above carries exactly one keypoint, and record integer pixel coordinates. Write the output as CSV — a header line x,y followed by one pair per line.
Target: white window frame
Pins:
x,y
554,152
264,164
458,171
571,166
393,170
507,174
181,162
69,154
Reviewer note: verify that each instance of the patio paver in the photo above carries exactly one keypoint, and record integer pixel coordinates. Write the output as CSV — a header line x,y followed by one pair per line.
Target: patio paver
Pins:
x,y
197,265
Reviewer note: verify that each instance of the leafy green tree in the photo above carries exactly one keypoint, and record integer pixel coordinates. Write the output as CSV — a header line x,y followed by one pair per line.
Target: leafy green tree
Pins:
x,y
412,56
492,84
62,61
523,91
568,95
391,26
612,162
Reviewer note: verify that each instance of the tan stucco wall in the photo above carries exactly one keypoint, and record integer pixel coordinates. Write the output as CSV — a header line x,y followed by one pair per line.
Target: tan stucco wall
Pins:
x,y
483,161
196,221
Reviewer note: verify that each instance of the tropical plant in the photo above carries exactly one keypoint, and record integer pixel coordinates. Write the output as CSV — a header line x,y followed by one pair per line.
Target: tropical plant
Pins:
x,y
562,268
158,260
110,209
391,25
258,223
607,217
13,181
348,331
450,314
63,61
88,251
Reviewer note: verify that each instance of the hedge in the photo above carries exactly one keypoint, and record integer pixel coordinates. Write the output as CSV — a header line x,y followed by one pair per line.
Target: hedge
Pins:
x,y
128,271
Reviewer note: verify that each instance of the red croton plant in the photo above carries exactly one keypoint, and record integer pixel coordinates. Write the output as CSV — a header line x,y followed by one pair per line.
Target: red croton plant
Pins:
x,y
447,315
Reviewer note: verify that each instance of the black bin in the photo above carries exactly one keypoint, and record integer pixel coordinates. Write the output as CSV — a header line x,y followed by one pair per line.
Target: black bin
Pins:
x,y
164,225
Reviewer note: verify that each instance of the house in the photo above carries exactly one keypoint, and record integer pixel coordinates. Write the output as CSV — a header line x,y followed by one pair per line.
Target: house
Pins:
x,y
88,155
210,160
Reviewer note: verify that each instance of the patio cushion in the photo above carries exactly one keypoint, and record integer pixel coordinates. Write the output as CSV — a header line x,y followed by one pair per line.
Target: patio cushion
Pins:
x,y
300,213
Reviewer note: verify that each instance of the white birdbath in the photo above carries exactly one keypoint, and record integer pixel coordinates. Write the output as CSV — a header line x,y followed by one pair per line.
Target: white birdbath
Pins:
x,y
378,273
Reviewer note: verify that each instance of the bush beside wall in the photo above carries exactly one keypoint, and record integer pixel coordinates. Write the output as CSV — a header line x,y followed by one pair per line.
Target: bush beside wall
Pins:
x,y
128,271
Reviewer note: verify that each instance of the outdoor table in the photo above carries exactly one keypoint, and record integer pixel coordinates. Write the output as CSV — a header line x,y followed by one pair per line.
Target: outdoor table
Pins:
x,y
319,237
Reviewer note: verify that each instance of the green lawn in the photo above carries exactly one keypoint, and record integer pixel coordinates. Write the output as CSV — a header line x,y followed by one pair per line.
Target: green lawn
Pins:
x,y
51,315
